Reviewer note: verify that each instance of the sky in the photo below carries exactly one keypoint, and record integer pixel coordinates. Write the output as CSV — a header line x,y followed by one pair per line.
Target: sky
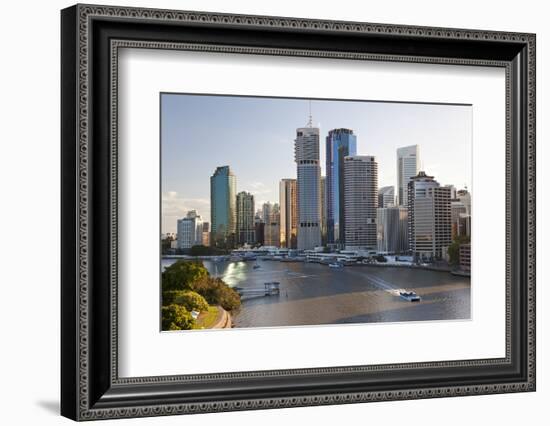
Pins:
x,y
255,137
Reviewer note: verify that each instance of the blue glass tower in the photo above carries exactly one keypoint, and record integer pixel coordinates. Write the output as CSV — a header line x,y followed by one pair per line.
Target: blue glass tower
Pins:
x,y
223,212
340,143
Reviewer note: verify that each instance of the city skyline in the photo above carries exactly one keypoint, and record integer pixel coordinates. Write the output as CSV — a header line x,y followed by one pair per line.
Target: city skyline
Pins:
x,y
257,121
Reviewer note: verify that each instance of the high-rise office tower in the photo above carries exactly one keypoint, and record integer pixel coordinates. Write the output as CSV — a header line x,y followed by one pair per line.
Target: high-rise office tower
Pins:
x,y
464,218
272,227
245,218
306,155
391,224
323,210
465,257
288,202
259,228
464,225
267,208
457,208
408,164
453,191
223,212
361,199
386,196
429,217
464,196
340,143
206,234
189,230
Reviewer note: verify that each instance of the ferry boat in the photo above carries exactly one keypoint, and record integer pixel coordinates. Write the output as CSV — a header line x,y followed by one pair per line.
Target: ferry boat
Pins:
x,y
335,265
409,296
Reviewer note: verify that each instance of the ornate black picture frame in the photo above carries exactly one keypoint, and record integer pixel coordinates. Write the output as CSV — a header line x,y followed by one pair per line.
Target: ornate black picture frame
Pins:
x,y
91,37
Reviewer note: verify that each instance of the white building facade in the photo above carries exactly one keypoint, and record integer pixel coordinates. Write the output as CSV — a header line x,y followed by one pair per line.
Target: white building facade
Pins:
x,y
429,218
464,196
386,196
190,230
408,165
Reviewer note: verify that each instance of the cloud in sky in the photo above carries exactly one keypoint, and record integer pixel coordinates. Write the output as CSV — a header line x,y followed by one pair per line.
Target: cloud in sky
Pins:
x,y
175,207
256,188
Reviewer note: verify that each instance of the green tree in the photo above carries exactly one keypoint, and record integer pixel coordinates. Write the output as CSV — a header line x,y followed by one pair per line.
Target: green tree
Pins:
x,y
182,275
176,317
454,248
200,250
193,277
216,292
191,300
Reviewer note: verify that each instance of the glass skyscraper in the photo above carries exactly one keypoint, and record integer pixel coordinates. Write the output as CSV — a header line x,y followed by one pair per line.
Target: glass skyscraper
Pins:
x,y
223,212
340,143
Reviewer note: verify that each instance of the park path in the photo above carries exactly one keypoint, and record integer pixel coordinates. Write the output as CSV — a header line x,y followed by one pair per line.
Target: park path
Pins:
x,y
223,320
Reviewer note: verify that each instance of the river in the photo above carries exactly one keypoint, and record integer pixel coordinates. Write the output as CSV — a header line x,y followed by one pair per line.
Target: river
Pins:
x,y
314,294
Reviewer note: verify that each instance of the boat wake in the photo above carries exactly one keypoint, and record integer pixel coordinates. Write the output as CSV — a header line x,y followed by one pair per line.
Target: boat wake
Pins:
x,y
386,286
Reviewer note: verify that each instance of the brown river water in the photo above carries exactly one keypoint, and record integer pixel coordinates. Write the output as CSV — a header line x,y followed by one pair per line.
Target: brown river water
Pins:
x,y
314,294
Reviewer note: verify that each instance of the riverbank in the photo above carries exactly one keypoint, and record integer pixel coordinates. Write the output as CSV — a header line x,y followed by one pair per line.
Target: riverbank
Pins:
x,y
167,260
215,317
189,257
408,266
224,319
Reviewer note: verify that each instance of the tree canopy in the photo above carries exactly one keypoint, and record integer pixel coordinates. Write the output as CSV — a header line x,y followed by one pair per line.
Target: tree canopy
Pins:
x,y
189,284
182,275
191,300
216,292
176,317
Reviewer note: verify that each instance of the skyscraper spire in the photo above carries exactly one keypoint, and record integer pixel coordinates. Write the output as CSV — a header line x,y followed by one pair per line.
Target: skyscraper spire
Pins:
x,y
310,119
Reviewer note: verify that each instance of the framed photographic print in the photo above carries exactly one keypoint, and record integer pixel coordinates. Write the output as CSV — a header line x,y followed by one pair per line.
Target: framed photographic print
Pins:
x,y
263,212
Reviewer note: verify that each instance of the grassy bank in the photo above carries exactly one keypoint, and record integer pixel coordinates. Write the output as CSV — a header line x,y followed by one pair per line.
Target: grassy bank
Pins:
x,y
207,319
